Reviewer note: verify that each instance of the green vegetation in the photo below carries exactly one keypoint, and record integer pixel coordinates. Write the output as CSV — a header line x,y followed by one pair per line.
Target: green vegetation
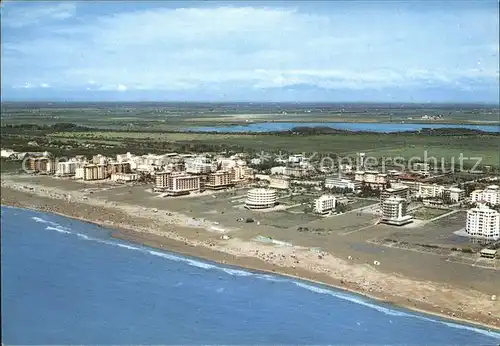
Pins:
x,y
425,213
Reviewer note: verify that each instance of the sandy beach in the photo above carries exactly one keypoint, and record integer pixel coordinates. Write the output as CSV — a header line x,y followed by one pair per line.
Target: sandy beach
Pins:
x,y
174,231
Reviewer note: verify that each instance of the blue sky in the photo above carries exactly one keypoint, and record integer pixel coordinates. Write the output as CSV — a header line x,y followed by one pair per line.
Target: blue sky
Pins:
x,y
391,51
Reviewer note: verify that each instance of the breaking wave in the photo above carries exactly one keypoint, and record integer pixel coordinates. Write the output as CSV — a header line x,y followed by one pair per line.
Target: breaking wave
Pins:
x,y
243,273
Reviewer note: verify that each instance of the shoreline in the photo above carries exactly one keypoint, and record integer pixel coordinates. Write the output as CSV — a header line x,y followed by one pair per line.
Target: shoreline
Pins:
x,y
175,235
177,247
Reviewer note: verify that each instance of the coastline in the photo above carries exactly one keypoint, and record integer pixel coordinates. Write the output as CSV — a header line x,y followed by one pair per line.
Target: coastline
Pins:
x,y
172,241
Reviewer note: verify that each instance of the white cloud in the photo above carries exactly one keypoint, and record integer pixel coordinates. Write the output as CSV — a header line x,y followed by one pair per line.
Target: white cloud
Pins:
x,y
18,15
256,47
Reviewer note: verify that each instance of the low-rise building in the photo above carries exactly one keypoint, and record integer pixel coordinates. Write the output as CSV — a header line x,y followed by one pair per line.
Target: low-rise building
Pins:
x,y
324,204
490,195
483,222
335,182
453,194
199,165
394,211
430,190
261,199
281,183
372,178
125,177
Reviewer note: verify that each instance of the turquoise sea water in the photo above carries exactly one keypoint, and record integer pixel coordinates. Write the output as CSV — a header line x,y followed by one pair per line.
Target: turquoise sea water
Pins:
x,y
68,282
372,127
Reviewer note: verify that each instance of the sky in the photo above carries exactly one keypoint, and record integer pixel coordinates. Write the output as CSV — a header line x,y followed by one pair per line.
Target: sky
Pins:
x,y
328,51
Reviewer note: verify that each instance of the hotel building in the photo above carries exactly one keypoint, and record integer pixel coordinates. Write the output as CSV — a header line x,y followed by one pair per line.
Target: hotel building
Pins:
x,y
65,169
483,222
324,204
398,191
490,195
333,182
261,199
219,180
94,172
176,183
394,211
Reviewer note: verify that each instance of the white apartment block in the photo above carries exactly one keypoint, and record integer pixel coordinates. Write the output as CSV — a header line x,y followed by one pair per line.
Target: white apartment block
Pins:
x,y
199,165
324,204
394,211
430,190
490,195
65,169
278,170
333,182
483,222
454,194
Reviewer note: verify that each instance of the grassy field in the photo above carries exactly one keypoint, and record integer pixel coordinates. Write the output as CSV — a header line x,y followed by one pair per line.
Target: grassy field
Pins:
x,y
169,116
425,213
376,145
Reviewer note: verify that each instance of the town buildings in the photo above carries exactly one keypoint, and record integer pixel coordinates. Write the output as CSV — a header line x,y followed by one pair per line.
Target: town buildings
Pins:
x,y
324,204
483,222
394,211
199,165
261,198
42,164
372,178
490,195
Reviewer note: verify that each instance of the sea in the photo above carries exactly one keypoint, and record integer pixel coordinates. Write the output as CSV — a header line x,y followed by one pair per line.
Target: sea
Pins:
x,y
69,282
371,127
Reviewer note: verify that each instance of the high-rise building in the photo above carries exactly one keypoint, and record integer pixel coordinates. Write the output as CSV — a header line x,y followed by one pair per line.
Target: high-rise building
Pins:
x,y
179,184
394,211
219,180
483,222
161,180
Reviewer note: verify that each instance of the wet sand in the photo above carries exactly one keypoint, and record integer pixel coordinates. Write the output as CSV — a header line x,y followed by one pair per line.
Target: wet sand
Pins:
x,y
171,233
